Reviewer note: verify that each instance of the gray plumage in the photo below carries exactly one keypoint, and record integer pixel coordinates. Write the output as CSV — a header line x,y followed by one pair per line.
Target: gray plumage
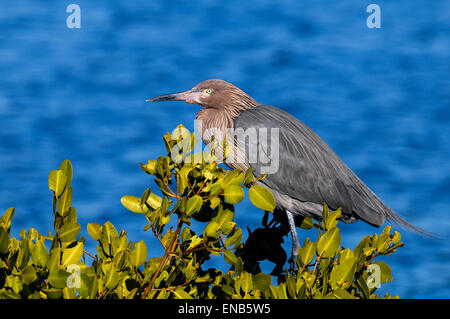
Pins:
x,y
311,173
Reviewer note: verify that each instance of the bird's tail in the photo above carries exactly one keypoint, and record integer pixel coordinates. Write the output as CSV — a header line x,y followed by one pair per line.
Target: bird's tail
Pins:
x,y
392,216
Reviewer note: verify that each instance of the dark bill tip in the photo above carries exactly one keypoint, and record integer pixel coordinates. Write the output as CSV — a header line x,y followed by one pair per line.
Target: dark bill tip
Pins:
x,y
180,96
166,97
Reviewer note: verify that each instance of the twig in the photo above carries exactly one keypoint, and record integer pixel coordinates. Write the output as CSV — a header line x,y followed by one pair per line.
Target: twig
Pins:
x,y
90,255
165,257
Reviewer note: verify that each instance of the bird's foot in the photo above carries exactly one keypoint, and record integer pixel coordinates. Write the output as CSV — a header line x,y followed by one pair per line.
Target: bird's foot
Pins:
x,y
293,263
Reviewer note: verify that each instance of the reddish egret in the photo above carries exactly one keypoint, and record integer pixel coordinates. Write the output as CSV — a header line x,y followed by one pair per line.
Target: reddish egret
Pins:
x,y
309,172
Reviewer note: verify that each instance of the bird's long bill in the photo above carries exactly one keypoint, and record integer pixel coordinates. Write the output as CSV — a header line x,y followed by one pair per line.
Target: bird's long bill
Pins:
x,y
188,96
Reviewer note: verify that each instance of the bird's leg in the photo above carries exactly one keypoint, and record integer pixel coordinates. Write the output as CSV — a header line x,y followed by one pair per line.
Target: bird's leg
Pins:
x,y
295,242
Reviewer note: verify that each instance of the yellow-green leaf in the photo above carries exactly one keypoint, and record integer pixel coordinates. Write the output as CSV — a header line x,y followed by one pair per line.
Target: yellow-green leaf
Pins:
x,y
154,201
211,229
328,243
72,255
5,220
57,181
138,255
246,282
95,230
233,194
57,278
150,167
234,238
69,232
332,219
307,252
66,167
342,275
28,275
65,201
262,198
234,177
194,204
181,294
133,204
230,257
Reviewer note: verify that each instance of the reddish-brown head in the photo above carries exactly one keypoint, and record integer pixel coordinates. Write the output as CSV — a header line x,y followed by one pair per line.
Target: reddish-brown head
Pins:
x,y
215,93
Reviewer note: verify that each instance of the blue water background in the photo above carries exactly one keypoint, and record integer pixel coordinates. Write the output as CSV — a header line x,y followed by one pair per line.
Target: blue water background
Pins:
x,y
378,97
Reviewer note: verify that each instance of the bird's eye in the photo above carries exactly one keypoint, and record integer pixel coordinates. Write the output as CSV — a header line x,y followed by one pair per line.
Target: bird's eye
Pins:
x,y
209,91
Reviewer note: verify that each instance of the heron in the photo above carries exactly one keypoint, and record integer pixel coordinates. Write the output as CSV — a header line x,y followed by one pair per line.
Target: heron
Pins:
x,y
309,172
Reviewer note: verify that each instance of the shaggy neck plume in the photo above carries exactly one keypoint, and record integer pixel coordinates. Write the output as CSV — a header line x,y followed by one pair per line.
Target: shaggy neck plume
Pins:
x,y
215,120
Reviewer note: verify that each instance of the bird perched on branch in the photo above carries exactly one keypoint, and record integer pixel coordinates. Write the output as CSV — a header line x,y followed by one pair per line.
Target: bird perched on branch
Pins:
x,y
308,173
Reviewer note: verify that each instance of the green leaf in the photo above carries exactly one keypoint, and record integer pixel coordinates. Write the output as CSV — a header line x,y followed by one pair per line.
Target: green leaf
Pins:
x,y
111,277
233,194
72,254
108,239
342,274
341,294
291,285
328,243
14,282
234,238
386,273
93,288
85,285
282,291
181,294
185,234
307,223
224,219
230,257
8,294
4,240
384,240
69,232
28,274
246,282
195,241
262,198
194,204
5,220
133,204
273,292
262,281
94,230
183,177
249,176
234,177
154,201
361,283
53,259
150,167
65,201
57,181
138,255
122,242
39,253
24,254
358,250
57,278
214,202
66,167
324,214
211,229
397,237
307,252
332,219
120,259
